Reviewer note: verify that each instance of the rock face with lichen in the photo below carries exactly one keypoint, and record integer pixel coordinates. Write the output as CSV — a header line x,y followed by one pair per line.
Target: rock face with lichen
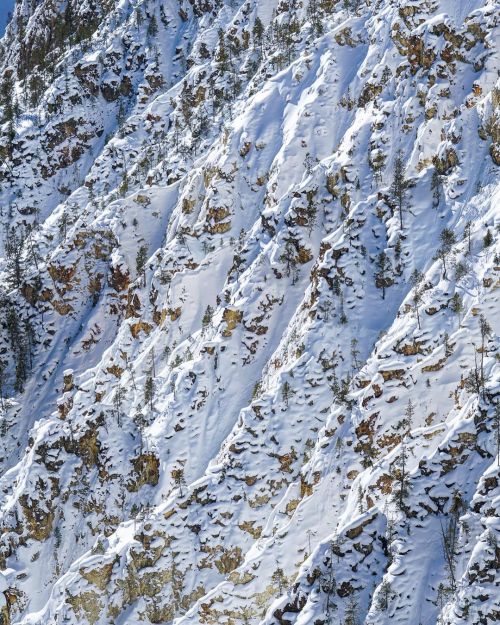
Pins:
x,y
249,312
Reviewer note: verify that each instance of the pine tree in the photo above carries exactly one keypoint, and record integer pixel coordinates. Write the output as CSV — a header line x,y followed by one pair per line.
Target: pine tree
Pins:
x,y
207,317
286,393
351,5
336,285
278,578
222,55
2,385
124,185
13,330
140,262
449,537
473,379
447,239
14,246
139,17
416,281
485,330
328,583
488,238
311,212
29,337
398,248
461,270
129,367
314,16
22,346
496,425
355,353
361,499
149,389
399,186
289,257
118,397
467,235
258,31
409,414
178,477
7,96
384,595
153,26
351,614
456,305
399,472
21,367
63,225
382,275
436,188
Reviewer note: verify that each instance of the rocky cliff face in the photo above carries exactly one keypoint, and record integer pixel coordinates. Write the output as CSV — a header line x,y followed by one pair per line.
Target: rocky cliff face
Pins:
x,y
249,312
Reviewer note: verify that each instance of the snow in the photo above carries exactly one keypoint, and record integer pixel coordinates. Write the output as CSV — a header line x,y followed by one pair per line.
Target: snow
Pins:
x,y
223,448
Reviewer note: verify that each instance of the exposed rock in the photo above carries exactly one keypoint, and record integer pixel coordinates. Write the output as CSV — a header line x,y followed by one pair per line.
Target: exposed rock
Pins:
x,y
147,471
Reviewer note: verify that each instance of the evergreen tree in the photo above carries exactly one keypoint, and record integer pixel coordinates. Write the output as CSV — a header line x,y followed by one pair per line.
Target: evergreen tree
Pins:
x,y
351,614
416,281
485,330
467,235
140,262
488,238
13,329
382,274
286,393
311,212
449,538
207,317
278,578
399,186
178,477
7,96
29,337
399,473
222,55
314,16
447,239
496,425
456,305
14,246
409,414
153,26
436,188
2,385
258,31
384,595
124,185
21,369
355,354
328,582
288,257
149,389
118,397
139,17
351,5
461,270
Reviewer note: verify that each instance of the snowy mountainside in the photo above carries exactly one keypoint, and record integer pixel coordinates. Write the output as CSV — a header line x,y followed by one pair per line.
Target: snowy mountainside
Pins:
x,y
248,350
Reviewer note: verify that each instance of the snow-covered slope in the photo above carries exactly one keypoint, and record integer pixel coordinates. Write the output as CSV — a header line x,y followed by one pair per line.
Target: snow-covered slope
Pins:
x,y
248,350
